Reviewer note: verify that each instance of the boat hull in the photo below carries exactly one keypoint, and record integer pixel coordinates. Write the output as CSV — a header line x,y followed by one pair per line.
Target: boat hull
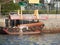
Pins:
x,y
34,28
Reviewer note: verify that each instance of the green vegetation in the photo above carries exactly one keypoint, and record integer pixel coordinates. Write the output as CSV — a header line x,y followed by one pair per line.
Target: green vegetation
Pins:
x,y
8,7
40,12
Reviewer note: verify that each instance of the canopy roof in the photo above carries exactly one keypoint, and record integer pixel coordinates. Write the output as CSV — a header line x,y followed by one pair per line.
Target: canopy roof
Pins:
x,y
14,17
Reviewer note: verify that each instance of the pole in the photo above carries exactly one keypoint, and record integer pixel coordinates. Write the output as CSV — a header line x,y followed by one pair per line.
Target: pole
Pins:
x,y
0,9
47,9
18,12
36,15
21,13
57,8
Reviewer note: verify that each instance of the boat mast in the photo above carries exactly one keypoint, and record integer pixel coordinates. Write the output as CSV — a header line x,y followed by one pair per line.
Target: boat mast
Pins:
x,y
21,17
36,15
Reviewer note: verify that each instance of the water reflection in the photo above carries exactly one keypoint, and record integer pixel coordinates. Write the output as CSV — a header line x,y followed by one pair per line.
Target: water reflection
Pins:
x,y
45,39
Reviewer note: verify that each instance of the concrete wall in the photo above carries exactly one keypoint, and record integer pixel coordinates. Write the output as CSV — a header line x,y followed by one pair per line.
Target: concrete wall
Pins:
x,y
52,22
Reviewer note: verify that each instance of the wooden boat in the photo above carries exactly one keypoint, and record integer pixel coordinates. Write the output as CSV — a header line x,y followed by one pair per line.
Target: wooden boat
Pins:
x,y
32,28
15,24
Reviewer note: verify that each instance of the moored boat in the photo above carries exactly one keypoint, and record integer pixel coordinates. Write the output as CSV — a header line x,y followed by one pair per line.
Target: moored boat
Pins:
x,y
29,28
16,24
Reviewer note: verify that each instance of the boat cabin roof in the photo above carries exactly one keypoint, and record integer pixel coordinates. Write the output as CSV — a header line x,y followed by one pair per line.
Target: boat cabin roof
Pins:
x,y
14,17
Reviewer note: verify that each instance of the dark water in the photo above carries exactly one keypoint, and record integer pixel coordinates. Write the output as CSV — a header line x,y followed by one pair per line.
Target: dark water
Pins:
x,y
44,39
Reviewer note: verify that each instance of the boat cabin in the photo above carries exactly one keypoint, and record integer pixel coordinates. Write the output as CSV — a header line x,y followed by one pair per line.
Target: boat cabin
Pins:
x,y
15,20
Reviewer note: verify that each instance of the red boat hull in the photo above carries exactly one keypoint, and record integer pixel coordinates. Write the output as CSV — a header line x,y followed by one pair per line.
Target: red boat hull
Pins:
x,y
34,28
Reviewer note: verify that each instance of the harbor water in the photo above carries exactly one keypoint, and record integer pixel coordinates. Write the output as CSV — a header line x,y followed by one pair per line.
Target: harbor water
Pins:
x,y
41,39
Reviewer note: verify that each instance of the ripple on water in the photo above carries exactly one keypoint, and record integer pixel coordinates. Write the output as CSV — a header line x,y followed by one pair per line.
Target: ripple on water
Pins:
x,y
45,39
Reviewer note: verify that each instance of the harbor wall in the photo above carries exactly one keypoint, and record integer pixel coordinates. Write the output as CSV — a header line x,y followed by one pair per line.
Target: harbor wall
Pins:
x,y
51,21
